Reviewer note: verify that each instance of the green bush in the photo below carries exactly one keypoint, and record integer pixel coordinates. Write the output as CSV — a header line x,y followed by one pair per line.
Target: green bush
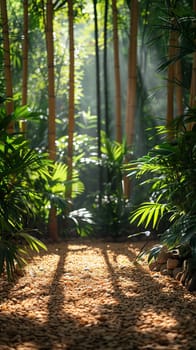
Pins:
x,y
20,166
30,184
168,174
110,208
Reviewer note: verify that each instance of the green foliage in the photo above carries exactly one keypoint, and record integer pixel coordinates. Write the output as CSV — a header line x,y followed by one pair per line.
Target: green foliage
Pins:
x,y
111,217
148,212
167,173
81,221
13,250
19,167
110,208
30,184
56,186
181,20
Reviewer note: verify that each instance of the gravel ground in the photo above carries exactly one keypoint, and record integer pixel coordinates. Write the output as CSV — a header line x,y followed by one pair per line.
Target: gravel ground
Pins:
x,y
94,296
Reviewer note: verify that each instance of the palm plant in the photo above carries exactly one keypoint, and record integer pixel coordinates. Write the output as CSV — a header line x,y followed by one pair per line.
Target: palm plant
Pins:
x,y
111,212
30,184
53,191
168,174
19,166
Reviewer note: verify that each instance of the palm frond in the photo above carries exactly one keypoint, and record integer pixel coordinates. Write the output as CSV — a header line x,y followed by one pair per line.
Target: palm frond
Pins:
x,y
148,213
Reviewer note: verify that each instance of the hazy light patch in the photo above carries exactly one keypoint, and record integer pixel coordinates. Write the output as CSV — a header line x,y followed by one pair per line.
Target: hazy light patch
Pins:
x,y
159,319
148,62
38,265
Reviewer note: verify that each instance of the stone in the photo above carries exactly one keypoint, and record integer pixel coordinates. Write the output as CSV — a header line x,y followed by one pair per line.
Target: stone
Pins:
x,y
163,256
172,263
170,272
163,267
165,272
154,266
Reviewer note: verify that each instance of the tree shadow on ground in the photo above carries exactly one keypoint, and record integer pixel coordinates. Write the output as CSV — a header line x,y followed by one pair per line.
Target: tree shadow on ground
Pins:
x,y
128,323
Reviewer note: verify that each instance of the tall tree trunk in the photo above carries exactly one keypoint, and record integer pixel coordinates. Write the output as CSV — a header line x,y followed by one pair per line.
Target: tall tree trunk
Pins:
x,y
71,94
192,101
117,73
178,78
170,78
25,60
105,64
174,78
193,77
98,99
52,224
179,89
132,81
174,71
132,74
7,61
193,83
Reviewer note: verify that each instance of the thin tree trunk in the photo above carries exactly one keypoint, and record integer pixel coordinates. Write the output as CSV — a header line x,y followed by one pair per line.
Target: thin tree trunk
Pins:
x,y
179,89
132,74
170,79
192,101
193,83
25,61
71,94
132,82
52,225
7,61
107,129
97,79
117,73
193,77
98,100
174,73
174,80
178,78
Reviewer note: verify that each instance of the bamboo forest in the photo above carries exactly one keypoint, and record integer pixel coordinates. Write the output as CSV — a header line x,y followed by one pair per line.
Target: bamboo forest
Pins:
x,y
97,174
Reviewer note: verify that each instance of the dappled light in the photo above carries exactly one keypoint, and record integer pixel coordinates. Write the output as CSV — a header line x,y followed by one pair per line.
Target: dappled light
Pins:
x,y
97,175
93,295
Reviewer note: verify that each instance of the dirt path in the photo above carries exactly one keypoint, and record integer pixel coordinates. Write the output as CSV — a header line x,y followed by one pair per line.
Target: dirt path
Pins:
x,y
82,296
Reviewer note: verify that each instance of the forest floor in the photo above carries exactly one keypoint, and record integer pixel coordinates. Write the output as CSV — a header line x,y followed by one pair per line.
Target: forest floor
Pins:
x,y
94,296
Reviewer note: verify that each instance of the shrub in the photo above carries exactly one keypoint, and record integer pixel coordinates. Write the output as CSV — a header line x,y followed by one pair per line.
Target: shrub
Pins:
x,y
168,174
